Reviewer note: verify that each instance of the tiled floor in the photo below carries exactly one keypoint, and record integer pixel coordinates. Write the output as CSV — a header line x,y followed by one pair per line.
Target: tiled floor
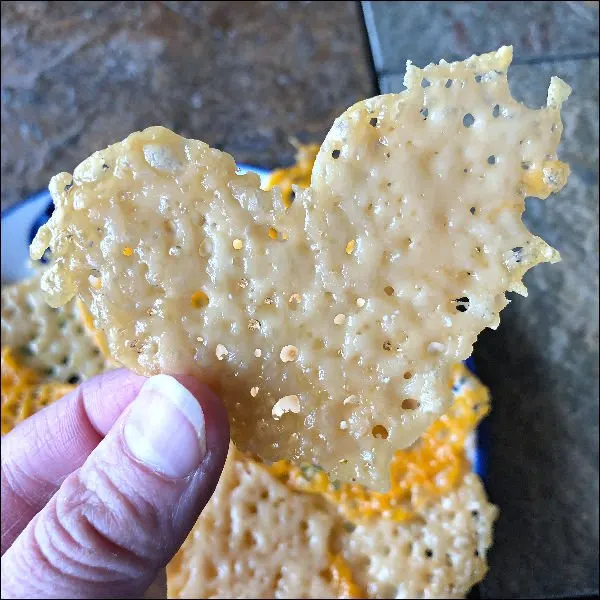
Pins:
x,y
542,363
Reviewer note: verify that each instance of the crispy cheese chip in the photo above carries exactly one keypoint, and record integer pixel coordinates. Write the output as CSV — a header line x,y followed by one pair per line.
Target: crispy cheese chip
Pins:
x,y
58,344
258,538
429,187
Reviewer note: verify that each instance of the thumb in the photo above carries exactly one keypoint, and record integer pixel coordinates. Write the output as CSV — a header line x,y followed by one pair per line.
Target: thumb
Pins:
x,y
117,520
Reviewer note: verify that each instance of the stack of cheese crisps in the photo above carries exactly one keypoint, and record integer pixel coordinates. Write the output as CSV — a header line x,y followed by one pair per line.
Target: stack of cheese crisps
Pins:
x,y
331,319
330,327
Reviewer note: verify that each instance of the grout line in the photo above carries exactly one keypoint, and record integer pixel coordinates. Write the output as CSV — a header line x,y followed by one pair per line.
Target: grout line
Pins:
x,y
366,23
373,37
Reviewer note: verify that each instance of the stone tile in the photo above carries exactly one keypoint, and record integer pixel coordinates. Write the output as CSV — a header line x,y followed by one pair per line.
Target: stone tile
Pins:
x,y
243,76
542,368
427,31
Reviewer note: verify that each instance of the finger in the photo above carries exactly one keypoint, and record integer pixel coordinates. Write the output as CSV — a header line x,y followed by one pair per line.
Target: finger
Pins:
x,y
121,517
41,451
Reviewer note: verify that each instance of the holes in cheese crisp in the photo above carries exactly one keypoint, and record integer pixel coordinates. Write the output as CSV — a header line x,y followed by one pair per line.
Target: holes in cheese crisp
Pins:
x,y
491,160
335,154
525,165
380,432
449,83
410,404
468,120
472,210
74,379
389,290
425,83
424,113
199,299
462,304
496,111
372,123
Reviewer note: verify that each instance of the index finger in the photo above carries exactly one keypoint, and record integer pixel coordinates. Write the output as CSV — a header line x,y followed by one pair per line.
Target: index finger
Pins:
x,y
40,452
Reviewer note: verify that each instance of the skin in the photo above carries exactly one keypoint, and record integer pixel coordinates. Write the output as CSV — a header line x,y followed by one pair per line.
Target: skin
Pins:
x,y
82,517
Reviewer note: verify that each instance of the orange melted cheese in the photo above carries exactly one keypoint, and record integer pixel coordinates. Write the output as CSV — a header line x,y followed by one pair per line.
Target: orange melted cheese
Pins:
x,y
298,174
341,575
432,466
22,393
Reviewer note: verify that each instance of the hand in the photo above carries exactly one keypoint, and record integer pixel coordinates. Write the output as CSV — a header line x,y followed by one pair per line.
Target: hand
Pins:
x,y
100,489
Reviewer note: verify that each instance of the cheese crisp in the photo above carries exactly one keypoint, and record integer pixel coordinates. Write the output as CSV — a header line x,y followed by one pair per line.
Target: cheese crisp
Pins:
x,y
398,254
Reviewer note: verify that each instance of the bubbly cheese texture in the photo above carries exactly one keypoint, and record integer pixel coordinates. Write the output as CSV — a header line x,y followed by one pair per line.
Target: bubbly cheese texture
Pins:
x,y
58,344
429,185
258,538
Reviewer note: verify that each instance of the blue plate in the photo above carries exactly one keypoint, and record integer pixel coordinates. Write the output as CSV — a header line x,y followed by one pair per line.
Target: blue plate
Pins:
x,y
21,221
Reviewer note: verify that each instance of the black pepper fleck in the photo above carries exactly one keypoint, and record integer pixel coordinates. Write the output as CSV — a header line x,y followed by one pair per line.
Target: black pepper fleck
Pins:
x,y
336,154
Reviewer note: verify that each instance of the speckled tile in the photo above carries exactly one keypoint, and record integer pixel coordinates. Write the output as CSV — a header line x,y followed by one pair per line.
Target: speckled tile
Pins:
x,y
542,367
243,76
427,31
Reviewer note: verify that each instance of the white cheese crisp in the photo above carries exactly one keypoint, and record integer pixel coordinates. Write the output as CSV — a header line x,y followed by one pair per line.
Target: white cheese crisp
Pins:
x,y
397,256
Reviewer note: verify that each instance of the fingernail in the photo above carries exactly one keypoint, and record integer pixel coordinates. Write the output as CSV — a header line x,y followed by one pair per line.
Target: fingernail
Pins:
x,y
165,427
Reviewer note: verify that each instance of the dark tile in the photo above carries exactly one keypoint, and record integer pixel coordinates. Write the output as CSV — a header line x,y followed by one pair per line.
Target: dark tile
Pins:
x,y
243,76
424,32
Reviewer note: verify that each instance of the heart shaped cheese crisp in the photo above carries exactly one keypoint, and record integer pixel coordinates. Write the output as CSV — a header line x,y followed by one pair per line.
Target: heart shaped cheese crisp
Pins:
x,y
328,328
